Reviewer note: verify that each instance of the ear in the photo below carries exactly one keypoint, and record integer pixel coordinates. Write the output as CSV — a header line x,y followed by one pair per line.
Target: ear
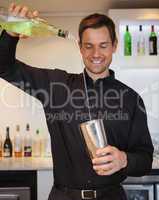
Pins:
x,y
80,47
79,44
115,44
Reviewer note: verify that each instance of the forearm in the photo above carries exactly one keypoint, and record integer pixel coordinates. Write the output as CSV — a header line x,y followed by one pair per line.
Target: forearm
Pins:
x,y
7,52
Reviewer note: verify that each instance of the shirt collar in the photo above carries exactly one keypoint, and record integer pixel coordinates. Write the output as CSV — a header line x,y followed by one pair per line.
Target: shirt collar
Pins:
x,y
90,81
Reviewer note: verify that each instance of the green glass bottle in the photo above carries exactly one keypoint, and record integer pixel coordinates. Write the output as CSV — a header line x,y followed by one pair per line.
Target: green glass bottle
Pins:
x,y
127,42
153,42
31,27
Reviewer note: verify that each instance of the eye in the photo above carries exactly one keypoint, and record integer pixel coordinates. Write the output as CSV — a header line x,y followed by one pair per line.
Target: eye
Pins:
x,y
88,46
105,45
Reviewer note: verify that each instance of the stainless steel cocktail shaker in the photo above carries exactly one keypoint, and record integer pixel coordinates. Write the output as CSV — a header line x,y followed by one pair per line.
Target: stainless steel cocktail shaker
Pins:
x,y
94,134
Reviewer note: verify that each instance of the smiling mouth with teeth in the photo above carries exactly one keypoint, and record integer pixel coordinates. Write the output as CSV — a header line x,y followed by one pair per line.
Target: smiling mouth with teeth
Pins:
x,y
96,62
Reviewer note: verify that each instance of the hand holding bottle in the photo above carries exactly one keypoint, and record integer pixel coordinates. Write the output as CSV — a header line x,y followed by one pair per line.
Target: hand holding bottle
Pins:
x,y
22,22
22,12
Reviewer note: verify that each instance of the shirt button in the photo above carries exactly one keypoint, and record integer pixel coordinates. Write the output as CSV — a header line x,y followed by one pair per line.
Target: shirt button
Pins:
x,y
89,181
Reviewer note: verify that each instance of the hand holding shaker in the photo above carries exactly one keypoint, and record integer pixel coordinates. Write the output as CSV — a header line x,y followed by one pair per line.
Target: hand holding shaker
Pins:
x,y
94,134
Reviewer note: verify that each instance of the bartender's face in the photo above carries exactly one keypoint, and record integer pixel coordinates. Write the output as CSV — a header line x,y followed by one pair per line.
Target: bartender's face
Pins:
x,y
97,49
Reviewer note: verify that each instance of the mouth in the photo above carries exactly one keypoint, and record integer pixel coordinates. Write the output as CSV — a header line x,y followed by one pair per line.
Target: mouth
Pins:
x,y
97,62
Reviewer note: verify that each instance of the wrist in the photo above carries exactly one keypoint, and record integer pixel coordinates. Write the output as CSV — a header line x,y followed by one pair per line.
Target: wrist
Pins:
x,y
12,34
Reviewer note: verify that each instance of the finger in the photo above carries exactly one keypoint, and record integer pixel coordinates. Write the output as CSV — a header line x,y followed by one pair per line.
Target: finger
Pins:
x,y
24,11
11,7
16,11
35,13
107,166
100,172
106,173
30,15
107,150
21,36
103,159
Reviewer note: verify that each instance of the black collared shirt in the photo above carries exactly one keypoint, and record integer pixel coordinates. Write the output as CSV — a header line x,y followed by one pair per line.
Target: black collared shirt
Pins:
x,y
63,96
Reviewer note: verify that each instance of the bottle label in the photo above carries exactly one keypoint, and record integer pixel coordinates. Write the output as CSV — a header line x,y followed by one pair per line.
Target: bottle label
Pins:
x,y
17,146
17,149
27,151
151,47
7,153
141,47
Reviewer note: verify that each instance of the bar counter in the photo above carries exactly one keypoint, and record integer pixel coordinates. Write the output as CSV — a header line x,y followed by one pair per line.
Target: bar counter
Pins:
x,y
32,163
41,163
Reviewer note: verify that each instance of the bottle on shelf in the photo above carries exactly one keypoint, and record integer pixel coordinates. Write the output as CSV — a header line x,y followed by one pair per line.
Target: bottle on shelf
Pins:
x,y
37,144
127,42
46,146
140,42
29,27
153,42
1,148
7,147
18,143
27,142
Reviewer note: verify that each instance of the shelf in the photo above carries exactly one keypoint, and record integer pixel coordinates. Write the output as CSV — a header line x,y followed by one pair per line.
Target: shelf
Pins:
x,y
136,62
133,18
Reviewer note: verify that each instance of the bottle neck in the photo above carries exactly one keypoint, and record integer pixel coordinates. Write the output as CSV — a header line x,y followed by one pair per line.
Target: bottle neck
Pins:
x,y
27,128
17,128
7,135
127,28
152,28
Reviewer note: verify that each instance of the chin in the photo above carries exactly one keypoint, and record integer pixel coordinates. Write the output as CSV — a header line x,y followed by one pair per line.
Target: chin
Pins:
x,y
97,70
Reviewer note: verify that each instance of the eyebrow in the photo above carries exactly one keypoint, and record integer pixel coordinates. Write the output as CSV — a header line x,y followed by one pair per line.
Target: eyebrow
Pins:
x,y
107,42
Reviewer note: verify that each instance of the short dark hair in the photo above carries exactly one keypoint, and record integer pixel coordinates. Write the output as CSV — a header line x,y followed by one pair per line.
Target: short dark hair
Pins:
x,y
97,20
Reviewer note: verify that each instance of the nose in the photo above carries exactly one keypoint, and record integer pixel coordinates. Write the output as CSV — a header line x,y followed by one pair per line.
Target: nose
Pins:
x,y
96,52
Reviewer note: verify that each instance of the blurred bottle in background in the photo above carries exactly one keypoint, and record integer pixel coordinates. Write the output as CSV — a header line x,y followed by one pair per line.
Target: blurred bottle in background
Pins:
x,y
46,146
1,145
18,142
153,42
7,147
37,144
27,142
140,42
127,42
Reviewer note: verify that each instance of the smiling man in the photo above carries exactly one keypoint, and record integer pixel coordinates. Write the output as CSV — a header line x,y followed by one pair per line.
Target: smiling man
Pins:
x,y
130,148
97,50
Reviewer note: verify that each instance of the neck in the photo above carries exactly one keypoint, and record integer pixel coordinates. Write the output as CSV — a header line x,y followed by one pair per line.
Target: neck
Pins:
x,y
98,76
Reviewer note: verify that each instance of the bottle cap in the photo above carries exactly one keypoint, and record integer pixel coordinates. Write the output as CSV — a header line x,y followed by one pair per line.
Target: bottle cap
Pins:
x,y
140,27
17,128
7,128
27,127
